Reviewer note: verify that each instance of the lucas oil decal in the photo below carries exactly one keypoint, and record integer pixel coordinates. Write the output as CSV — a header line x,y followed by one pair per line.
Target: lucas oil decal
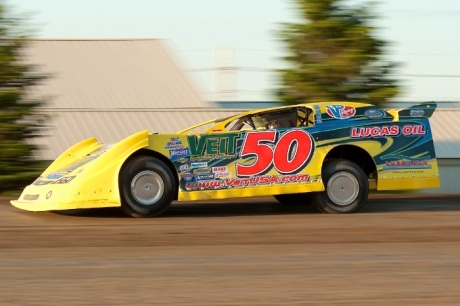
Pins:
x,y
388,130
339,111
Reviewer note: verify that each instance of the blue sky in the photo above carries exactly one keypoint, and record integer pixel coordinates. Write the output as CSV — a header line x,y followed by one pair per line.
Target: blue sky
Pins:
x,y
423,35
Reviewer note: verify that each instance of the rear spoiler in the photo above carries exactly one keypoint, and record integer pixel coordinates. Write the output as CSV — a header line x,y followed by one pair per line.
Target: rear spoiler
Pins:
x,y
423,110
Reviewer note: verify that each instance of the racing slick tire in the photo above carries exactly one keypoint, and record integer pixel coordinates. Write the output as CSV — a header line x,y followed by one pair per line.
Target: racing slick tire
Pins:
x,y
147,187
293,198
346,188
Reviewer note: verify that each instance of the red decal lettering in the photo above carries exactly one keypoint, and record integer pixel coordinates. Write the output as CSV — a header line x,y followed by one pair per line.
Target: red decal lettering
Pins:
x,y
289,154
292,151
257,145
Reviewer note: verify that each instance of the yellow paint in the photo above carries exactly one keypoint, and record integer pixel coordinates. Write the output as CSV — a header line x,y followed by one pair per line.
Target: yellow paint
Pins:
x,y
406,184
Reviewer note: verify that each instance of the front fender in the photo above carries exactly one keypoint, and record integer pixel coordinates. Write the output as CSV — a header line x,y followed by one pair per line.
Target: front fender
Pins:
x,y
95,182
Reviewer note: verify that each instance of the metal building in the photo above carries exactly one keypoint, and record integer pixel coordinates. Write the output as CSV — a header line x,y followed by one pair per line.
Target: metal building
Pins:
x,y
111,89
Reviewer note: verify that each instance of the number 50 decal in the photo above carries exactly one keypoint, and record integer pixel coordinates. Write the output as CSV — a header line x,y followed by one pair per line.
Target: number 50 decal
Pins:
x,y
288,154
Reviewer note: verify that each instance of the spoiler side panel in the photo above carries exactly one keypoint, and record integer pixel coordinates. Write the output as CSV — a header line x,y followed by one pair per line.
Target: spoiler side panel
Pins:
x,y
418,111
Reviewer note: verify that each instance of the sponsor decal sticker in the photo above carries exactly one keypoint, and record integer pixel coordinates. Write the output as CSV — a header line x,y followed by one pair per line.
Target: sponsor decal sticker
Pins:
x,y
101,150
212,146
184,167
79,163
174,143
339,111
222,174
205,177
41,182
220,169
54,176
407,164
31,197
318,114
417,112
200,165
201,170
179,153
388,130
248,182
374,114
64,180
188,177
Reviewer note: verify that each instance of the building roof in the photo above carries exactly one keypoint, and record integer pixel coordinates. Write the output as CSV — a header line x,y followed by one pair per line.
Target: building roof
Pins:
x,y
67,127
103,74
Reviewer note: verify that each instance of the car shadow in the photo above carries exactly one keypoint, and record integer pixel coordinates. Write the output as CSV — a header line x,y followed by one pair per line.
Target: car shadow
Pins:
x,y
267,206
379,203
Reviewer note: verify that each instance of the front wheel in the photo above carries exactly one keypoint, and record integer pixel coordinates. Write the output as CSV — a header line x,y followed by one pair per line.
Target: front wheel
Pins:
x,y
147,187
346,188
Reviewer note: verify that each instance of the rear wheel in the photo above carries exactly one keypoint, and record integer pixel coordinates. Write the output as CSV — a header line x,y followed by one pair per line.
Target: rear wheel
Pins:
x,y
147,187
346,188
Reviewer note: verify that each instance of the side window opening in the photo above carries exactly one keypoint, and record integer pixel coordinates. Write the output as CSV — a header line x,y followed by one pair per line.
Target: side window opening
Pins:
x,y
284,118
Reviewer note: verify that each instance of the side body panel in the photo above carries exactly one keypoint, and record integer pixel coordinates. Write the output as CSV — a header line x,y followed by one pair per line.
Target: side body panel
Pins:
x,y
242,163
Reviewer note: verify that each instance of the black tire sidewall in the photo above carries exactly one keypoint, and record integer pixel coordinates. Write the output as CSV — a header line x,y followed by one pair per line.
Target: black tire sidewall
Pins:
x,y
325,204
134,166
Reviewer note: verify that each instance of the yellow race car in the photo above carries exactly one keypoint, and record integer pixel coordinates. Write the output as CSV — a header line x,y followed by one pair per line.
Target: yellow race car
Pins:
x,y
330,154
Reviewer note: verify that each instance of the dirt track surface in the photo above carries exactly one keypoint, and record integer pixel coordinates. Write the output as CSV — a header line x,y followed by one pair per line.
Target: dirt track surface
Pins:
x,y
398,249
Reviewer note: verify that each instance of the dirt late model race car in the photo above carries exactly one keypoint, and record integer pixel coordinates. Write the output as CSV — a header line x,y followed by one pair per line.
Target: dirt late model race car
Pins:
x,y
330,154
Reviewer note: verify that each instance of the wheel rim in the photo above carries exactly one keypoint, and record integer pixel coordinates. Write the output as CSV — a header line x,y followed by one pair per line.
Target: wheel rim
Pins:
x,y
342,188
147,187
